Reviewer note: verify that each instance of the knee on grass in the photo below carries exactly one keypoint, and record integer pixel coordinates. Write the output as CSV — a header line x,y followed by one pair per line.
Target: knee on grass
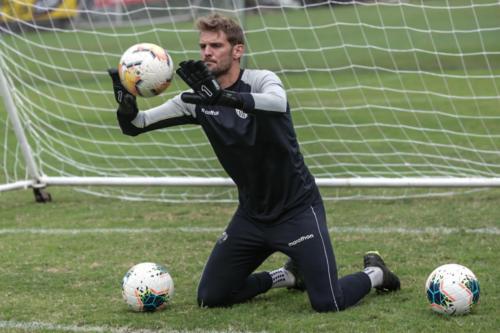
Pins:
x,y
326,306
208,300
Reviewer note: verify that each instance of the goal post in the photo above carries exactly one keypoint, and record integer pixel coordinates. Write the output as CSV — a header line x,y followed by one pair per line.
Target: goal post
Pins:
x,y
384,94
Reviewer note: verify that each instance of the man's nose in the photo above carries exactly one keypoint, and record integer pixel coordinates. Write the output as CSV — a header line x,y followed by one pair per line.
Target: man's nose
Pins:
x,y
207,51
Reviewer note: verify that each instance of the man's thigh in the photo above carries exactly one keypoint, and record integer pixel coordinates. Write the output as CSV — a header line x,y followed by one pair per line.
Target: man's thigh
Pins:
x,y
306,240
236,254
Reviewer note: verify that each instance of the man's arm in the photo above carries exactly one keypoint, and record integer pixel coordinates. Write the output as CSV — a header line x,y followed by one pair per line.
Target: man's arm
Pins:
x,y
171,113
268,94
132,122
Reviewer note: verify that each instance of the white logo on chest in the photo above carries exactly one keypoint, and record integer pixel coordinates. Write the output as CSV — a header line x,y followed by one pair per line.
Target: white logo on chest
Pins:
x,y
210,112
241,114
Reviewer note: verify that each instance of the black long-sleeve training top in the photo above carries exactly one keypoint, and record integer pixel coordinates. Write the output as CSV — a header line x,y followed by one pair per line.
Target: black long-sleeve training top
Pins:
x,y
257,147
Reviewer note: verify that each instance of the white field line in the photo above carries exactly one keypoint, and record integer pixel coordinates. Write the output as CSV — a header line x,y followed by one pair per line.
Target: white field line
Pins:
x,y
32,326
340,230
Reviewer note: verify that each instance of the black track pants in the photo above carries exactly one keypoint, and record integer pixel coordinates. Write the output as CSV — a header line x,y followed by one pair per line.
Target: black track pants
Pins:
x,y
227,278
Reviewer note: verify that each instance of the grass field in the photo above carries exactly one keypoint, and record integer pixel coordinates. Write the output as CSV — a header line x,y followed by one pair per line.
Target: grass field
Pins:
x,y
420,101
62,264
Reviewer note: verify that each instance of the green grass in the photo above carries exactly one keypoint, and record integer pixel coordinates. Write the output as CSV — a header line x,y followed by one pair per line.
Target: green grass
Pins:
x,y
74,279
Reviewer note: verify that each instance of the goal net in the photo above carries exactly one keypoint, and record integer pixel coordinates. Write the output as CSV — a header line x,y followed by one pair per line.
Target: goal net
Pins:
x,y
383,93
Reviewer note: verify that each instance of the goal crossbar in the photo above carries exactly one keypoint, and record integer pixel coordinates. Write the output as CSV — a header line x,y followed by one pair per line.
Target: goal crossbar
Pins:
x,y
221,181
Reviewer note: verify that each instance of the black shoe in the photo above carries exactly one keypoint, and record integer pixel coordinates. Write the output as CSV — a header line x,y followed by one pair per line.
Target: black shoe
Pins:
x,y
291,266
390,281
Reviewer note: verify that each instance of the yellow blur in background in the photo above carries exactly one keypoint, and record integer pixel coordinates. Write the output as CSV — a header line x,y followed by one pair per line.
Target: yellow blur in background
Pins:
x,y
38,11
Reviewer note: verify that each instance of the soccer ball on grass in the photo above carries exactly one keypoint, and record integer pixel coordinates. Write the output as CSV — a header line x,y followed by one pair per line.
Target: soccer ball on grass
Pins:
x,y
452,289
145,69
147,287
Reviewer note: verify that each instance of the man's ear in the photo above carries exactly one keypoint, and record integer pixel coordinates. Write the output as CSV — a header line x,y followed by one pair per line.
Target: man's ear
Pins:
x,y
238,51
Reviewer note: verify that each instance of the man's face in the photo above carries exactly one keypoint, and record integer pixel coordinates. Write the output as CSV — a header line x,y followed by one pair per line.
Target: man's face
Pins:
x,y
217,53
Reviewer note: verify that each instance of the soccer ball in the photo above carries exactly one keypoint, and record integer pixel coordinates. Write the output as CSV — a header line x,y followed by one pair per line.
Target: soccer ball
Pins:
x,y
452,289
147,287
145,69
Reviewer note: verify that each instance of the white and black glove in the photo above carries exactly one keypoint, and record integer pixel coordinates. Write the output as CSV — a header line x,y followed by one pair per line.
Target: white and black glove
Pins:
x,y
207,90
127,105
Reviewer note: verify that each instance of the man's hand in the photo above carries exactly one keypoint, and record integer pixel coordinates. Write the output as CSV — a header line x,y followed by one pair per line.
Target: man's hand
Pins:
x,y
127,108
199,78
118,88
207,90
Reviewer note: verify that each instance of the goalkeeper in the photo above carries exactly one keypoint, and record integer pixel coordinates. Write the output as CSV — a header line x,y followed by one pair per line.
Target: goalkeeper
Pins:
x,y
246,117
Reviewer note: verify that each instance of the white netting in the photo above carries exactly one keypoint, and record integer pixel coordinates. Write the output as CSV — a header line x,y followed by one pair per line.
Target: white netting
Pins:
x,y
391,89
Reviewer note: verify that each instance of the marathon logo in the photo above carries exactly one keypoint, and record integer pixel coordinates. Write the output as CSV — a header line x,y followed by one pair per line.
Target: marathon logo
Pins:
x,y
210,112
300,240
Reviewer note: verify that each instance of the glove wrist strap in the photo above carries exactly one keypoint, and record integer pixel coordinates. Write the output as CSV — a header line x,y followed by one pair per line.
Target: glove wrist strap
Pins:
x,y
231,99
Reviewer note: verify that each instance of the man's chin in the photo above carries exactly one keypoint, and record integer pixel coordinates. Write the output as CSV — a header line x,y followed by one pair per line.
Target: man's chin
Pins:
x,y
211,65
217,72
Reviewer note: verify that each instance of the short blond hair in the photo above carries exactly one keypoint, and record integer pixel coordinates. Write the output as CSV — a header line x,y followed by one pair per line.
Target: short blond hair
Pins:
x,y
217,22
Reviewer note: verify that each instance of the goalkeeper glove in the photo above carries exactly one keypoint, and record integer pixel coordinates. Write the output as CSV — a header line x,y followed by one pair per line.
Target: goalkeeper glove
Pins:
x,y
207,90
127,105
